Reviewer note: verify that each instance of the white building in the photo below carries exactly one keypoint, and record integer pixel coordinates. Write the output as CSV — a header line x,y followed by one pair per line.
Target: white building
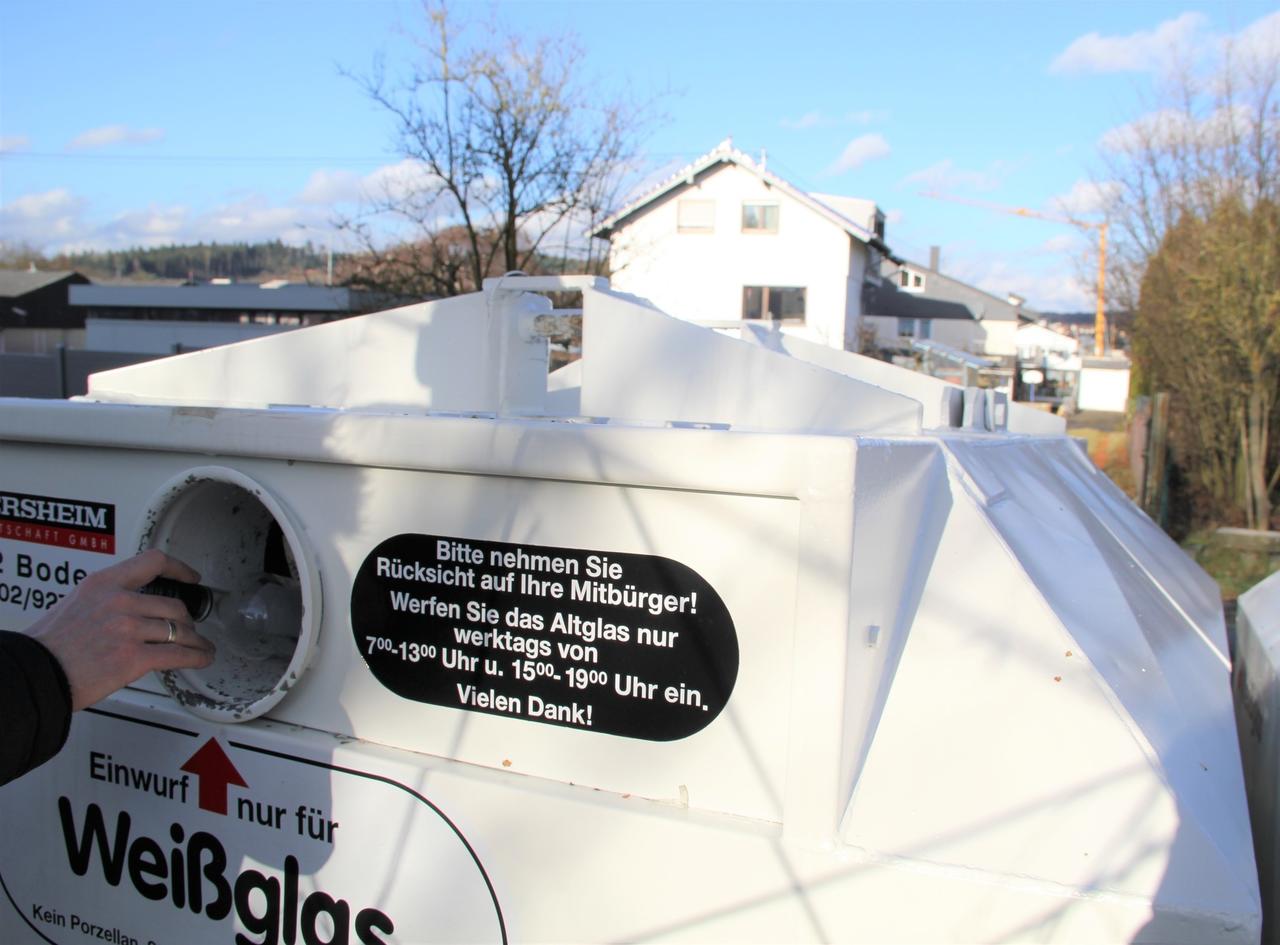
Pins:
x,y
916,302
1047,349
1104,384
723,241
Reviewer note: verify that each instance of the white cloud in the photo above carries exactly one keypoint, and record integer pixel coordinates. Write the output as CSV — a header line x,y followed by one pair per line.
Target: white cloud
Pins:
x,y
1062,243
1183,40
1060,291
1159,127
255,219
1143,51
389,183
42,219
404,179
331,187
1048,283
14,143
151,226
250,219
817,119
60,221
944,176
866,117
1169,127
110,135
1260,40
1086,198
859,151
807,120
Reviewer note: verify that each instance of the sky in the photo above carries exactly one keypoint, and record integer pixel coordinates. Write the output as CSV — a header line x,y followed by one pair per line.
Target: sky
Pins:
x,y
150,123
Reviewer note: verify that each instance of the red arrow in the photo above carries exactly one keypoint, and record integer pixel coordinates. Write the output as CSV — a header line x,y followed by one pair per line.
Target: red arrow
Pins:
x,y
214,770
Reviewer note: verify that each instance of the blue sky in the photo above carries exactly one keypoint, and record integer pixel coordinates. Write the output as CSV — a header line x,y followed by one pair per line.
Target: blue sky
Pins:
x,y
143,123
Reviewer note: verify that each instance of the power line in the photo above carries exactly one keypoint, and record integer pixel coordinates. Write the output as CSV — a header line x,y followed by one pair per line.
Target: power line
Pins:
x,y
198,158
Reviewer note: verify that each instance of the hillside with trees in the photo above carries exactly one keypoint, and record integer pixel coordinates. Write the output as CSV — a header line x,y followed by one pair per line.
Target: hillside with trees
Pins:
x,y
242,262
402,270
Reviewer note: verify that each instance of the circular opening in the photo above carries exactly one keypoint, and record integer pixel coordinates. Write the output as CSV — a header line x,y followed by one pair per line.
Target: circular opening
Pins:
x,y
265,596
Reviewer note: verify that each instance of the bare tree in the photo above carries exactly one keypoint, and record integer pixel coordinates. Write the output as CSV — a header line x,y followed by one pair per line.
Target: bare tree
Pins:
x,y
505,146
1195,208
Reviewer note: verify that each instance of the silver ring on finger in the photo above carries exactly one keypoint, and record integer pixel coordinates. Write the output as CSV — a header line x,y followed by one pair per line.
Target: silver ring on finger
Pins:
x,y
173,631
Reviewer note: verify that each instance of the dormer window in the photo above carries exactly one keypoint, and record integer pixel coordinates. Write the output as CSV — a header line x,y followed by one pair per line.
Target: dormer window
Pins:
x,y
910,281
759,218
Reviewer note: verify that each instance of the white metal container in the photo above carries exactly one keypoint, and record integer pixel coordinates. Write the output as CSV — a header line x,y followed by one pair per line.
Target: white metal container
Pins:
x,y
701,639
1256,681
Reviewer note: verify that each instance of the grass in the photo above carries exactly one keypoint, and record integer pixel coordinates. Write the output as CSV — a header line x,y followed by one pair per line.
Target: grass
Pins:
x,y
1109,450
1107,441
1108,446
1235,571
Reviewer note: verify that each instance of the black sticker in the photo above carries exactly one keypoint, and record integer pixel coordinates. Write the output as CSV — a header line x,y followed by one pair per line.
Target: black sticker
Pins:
x,y
624,644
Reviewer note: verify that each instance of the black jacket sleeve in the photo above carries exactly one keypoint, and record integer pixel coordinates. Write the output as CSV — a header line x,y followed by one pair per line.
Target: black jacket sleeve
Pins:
x,y
35,705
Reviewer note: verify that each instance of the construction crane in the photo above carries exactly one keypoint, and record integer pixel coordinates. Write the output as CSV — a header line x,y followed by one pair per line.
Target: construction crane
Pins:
x,y
1100,313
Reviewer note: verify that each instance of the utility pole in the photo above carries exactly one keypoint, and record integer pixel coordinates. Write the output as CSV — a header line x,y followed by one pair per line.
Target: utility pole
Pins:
x,y
1100,311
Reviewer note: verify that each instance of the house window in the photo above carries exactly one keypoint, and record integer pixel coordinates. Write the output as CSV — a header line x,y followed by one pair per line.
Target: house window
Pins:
x,y
773,302
696,216
759,218
921,328
911,281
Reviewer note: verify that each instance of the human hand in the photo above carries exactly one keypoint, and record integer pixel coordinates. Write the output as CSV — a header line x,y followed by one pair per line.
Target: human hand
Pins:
x,y
107,635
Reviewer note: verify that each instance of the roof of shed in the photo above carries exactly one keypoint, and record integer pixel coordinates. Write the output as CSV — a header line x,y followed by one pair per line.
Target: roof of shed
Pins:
x,y
246,297
18,282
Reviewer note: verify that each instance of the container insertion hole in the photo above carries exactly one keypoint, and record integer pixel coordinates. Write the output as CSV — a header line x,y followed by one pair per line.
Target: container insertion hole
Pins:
x,y
257,620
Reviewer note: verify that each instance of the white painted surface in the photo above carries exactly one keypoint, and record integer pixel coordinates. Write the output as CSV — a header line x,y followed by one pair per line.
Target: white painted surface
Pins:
x,y
387,355
1024,419
1000,338
165,337
940,402
650,257
1104,388
655,369
979,696
1256,678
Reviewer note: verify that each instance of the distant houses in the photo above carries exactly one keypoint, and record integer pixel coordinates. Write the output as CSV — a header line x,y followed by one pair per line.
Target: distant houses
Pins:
x,y
165,318
723,242
922,302
35,312
726,242
58,327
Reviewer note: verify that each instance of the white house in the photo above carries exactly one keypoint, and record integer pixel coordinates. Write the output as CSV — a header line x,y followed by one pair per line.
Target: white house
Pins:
x,y
916,302
1047,349
724,240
